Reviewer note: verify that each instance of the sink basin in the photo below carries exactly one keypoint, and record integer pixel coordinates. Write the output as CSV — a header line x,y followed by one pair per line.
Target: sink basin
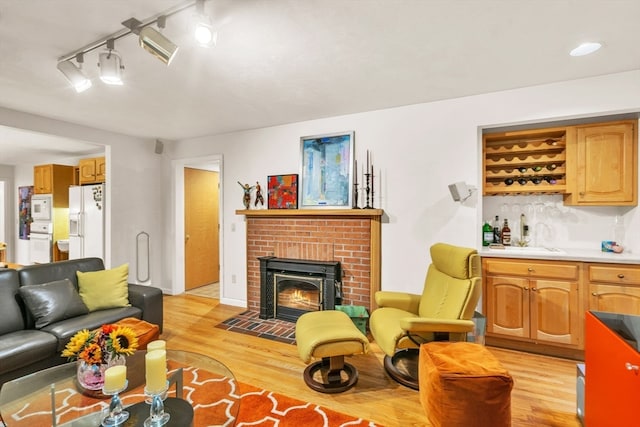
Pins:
x,y
63,245
530,250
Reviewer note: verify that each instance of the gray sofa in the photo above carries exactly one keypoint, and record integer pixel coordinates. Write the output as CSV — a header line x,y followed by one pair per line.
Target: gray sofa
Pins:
x,y
26,348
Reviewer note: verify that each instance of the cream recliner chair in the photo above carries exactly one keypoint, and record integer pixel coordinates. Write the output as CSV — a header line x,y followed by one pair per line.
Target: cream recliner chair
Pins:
x,y
444,311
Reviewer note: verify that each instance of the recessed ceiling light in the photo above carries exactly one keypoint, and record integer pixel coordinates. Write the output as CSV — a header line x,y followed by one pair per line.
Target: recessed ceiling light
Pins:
x,y
585,49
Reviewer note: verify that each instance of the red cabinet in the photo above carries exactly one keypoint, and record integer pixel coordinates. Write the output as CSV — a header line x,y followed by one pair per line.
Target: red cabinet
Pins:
x,y
612,382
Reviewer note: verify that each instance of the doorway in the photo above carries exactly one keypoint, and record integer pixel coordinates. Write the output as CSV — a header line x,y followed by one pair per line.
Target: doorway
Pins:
x,y
201,226
179,256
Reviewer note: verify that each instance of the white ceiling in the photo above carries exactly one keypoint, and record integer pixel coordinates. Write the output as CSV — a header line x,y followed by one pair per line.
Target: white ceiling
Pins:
x,y
284,61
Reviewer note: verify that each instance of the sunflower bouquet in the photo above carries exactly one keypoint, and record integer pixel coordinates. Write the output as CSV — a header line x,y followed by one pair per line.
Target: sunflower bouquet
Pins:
x,y
102,345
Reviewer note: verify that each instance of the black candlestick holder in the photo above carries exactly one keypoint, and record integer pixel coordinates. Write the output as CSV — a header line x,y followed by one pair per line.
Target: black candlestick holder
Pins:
x,y
368,190
355,196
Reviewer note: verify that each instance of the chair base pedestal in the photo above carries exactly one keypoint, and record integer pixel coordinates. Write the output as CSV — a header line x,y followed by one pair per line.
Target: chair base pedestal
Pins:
x,y
331,369
403,367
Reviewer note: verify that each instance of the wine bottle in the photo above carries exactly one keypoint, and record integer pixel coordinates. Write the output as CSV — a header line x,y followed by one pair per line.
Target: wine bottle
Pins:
x,y
487,234
506,233
496,230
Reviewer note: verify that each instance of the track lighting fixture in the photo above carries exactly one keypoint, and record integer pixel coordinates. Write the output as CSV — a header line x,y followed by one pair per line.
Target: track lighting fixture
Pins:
x,y
74,74
152,40
203,31
157,44
110,65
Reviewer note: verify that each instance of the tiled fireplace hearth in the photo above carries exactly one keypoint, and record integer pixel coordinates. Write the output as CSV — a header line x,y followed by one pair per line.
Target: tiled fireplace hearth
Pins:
x,y
349,236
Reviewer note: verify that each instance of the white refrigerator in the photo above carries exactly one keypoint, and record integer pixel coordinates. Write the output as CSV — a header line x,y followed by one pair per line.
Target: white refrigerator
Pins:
x,y
86,221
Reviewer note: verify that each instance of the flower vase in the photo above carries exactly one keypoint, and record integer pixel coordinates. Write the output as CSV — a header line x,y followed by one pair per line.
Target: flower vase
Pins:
x,y
91,376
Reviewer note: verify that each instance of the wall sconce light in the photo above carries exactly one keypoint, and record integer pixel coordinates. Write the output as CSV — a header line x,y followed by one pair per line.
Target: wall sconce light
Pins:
x,y
74,73
460,191
110,65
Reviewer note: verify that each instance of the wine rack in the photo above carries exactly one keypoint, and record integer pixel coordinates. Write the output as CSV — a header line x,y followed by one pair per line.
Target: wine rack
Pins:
x,y
525,162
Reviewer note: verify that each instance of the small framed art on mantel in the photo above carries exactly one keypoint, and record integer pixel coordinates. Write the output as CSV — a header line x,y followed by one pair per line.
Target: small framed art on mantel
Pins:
x,y
282,191
326,170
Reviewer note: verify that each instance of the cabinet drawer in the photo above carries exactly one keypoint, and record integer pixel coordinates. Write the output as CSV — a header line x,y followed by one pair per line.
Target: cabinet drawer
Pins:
x,y
551,269
614,274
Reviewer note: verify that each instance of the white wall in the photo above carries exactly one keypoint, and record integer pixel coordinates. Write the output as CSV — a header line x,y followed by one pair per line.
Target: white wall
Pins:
x,y
417,150
134,191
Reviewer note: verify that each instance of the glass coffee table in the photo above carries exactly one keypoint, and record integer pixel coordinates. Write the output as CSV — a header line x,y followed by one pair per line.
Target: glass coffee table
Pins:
x,y
52,397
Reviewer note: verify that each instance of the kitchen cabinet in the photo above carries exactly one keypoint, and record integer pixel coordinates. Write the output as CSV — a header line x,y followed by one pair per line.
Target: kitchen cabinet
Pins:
x,y
92,170
524,162
612,362
53,179
602,164
42,178
533,300
614,288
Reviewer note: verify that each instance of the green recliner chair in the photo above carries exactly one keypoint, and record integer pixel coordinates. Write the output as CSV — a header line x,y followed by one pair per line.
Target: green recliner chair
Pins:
x,y
443,312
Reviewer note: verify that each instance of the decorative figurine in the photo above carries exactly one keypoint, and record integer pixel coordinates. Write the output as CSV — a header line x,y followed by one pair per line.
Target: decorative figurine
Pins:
x,y
247,195
259,197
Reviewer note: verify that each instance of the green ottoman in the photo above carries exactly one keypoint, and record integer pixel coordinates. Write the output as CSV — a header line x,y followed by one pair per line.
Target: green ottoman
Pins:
x,y
329,335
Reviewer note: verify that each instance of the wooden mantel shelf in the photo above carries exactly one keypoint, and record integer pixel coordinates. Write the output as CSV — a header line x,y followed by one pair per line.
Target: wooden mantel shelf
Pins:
x,y
311,212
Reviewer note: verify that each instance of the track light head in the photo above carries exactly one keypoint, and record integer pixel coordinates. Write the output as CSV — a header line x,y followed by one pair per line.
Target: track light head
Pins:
x,y
157,44
74,74
110,64
203,31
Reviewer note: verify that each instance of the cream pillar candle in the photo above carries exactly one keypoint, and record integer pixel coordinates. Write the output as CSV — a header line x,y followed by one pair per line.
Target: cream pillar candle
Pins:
x,y
115,378
156,370
156,345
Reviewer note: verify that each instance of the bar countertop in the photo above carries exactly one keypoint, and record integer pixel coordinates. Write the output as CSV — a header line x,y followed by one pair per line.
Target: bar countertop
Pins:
x,y
561,254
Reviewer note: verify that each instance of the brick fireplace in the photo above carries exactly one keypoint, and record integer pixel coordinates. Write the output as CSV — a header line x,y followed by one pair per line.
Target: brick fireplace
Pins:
x,y
349,236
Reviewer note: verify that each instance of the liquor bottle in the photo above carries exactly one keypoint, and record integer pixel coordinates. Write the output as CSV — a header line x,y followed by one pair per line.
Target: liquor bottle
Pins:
x,y
506,233
496,230
487,234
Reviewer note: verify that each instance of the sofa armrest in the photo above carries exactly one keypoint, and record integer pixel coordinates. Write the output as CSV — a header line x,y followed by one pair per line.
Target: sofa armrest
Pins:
x,y
400,300
149,300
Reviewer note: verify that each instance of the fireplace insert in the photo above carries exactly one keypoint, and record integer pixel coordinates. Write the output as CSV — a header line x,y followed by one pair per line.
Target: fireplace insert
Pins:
x,y
292,287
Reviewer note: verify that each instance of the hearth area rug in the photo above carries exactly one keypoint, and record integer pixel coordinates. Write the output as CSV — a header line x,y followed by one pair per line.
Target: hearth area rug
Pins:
x,y
250,323
213,398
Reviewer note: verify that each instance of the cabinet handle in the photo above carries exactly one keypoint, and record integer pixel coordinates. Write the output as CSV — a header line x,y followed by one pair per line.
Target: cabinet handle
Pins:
x,y
620,276
631,367
595,294
530,270
526,288
533,289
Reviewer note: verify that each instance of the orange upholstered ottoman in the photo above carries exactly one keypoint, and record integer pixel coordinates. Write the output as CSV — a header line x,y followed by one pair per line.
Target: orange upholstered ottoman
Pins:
x,y
145,331
463,384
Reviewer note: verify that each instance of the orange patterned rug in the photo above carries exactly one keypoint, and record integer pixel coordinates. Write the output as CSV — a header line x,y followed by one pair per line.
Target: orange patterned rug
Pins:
x,y
213,398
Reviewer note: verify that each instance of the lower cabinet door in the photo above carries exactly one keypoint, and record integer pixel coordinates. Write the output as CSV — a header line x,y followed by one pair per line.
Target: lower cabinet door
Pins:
x,y
555,312
508,306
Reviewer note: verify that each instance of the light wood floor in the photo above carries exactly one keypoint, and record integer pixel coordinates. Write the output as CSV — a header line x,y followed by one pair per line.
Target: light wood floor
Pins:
x,y
543,395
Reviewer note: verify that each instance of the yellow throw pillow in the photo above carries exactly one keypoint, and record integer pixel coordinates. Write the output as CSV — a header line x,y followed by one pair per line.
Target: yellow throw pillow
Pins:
x,y
104,288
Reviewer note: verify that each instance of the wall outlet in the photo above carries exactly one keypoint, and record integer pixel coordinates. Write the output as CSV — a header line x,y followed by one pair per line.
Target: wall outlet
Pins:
x,y
233,278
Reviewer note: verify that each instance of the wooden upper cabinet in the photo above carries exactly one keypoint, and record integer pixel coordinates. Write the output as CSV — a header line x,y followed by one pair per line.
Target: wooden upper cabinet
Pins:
x,y
92,171
53,179
42,179
602,164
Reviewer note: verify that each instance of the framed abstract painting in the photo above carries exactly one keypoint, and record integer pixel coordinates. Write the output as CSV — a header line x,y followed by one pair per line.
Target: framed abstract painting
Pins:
x,y
282,191
326,170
